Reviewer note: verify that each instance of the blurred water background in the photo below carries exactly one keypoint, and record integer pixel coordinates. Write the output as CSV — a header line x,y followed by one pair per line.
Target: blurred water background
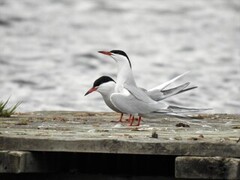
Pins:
x,y
49,59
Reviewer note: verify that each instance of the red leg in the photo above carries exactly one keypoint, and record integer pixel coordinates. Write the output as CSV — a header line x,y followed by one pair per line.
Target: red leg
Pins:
x,y
139,120
129,119
120,120
132,120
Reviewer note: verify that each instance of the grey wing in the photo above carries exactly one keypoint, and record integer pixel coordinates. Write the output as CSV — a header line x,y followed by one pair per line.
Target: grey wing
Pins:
x,y
110,105
164,85
143,89
139,93
158,95
129,104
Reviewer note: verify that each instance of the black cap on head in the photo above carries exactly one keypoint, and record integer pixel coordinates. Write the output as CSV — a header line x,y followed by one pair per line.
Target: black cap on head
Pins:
x,y
101,80
123,54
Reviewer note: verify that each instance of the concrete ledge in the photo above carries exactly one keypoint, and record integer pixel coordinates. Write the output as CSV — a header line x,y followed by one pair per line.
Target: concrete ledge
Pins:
x,y
208,135
150,146
207,168
45,141
17,162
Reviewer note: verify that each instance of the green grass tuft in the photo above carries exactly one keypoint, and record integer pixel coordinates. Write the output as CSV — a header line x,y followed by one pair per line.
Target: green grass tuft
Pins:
x,y
7,112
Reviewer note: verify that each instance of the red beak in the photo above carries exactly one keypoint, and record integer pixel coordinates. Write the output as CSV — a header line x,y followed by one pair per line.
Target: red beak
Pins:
x,y
106,53
91,90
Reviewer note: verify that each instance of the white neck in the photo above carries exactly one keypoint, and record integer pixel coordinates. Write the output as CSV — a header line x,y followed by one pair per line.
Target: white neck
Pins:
x,y
124,76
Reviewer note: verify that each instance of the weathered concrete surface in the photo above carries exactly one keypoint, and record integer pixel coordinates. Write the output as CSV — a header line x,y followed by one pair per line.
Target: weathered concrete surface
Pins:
x,y
210,135
18,162
207,168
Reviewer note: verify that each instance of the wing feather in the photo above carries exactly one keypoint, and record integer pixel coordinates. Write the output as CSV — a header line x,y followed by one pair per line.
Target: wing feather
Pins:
x,y
139,93
164,85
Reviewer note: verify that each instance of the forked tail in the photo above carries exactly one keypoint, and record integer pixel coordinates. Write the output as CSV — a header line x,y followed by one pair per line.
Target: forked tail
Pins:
x,y
179,111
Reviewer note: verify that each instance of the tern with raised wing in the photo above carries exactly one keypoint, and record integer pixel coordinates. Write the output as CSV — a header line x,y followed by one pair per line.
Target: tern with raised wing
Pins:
x,y
130,99
105,85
